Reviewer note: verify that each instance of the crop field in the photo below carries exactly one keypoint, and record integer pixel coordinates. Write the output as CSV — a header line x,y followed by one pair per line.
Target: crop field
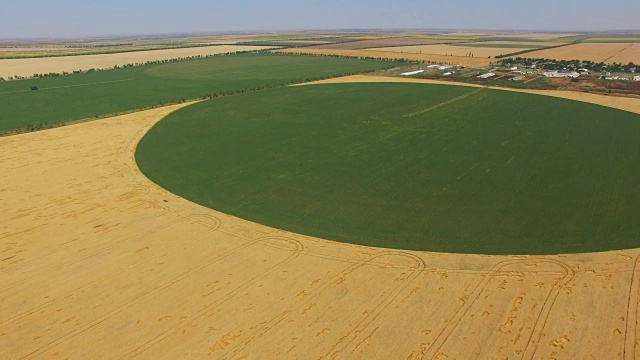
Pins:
x,y
541,35
424,167
95,94
96,259
460,50
28,67
507,44
363,44
391,53
598,52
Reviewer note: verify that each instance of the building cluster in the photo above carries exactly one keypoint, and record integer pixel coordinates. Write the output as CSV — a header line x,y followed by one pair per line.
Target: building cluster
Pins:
x,y
559,74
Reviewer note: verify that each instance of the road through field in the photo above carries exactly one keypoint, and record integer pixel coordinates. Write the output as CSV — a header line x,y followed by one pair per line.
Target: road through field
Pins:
x,y
98,262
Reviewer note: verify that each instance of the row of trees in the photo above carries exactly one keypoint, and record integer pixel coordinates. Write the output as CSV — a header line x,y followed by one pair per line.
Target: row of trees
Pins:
x,y
553,64
401,60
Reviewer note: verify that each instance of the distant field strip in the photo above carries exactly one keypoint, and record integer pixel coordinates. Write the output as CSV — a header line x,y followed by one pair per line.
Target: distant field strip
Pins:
x,y
420,112
66,86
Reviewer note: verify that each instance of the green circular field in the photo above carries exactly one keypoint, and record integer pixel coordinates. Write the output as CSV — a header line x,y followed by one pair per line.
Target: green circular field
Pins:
x,y
410,166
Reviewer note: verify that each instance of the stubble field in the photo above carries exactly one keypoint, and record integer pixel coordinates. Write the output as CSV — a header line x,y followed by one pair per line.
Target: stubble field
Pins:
x,y
479,50
28,67
598,52
393,54
364,44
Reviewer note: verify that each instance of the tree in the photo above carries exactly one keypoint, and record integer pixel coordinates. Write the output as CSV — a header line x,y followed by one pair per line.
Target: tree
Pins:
x,y
34,88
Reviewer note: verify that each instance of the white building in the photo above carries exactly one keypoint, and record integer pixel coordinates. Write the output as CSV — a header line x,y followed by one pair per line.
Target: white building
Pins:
x,y
487,75
556,74
636,78
412,73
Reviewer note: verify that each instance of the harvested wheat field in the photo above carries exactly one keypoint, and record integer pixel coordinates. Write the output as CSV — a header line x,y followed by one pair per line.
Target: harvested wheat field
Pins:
x,y
541,35
392,55
364,44
451,50
28,67
515,44
97,261
598,52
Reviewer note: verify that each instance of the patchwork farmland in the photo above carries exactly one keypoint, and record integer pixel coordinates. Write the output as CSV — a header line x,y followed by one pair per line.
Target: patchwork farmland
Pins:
x,y
597,52
455,50
97,94
368,216
28,67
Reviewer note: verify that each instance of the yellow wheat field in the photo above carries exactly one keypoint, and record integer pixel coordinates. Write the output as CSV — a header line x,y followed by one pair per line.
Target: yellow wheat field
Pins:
x,y
598,52
541,35
28,67
457,60
450,50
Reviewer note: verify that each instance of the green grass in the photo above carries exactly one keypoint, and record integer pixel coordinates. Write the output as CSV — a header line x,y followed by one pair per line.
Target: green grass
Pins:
x,y
492,172
95,94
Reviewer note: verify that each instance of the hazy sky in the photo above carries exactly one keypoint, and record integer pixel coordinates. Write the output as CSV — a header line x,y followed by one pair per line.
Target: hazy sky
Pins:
x,y
51,18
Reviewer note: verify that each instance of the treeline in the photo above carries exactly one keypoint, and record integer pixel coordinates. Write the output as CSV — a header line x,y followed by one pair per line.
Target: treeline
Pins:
x,y
553,64
400,60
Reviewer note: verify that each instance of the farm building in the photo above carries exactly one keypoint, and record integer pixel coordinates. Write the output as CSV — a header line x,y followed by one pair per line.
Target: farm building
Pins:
x,y
487,75
636,78
412,73
556,74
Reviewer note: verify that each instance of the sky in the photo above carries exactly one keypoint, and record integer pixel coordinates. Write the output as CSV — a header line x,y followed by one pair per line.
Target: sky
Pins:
x,y
75,18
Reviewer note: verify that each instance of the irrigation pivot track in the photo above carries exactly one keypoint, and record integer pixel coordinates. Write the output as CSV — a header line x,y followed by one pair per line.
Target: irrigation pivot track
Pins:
x,y
420,112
